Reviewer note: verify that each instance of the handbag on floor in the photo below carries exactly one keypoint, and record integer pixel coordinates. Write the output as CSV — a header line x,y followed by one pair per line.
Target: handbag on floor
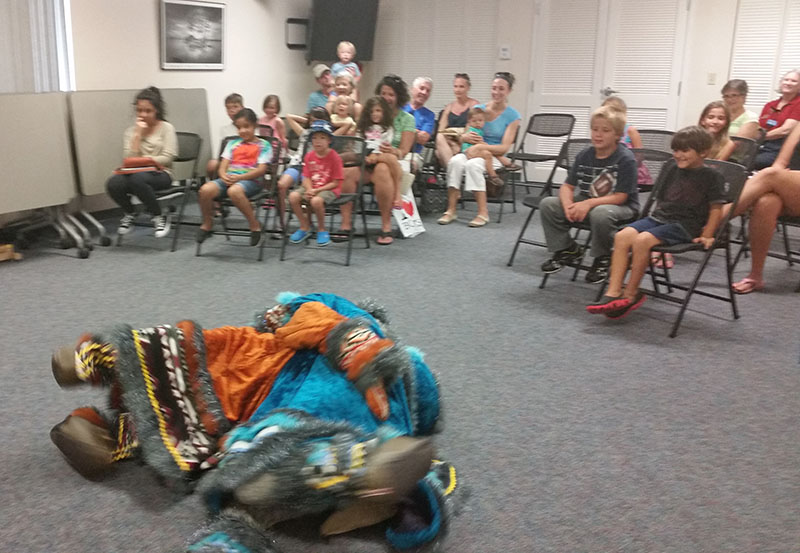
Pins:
x,y
408,219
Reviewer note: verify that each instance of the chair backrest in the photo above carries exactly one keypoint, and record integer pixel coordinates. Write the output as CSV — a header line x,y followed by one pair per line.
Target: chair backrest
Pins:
x,y
189,145
570,150
654,160
656,139
735,176
224,143
264,131
745,152
551,124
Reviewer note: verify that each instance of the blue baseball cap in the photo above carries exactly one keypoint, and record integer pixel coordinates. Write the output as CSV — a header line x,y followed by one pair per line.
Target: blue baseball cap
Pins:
x,y
321,126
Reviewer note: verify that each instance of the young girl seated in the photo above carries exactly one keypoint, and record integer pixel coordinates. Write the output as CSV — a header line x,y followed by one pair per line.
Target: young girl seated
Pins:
x,y
272,107
715,119
341,118
688,209
375,126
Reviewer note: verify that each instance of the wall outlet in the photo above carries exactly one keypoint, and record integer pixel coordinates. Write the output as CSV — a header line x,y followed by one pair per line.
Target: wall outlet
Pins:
x,y
505,52
712,78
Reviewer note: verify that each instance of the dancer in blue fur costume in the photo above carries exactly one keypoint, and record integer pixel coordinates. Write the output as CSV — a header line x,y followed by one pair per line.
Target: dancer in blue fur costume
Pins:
x,y
315,408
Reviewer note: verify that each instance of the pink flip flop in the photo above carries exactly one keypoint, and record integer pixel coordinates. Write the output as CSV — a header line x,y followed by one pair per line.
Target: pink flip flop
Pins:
x,y
747,285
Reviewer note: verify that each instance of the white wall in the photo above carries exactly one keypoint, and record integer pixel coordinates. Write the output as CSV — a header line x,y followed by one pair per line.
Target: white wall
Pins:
x,y
116,45
709,46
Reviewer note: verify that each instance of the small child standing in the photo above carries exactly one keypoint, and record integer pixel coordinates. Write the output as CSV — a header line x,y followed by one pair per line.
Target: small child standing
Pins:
x,y
323,173
346,52
375,127
272,107
244,162
341,118
688,209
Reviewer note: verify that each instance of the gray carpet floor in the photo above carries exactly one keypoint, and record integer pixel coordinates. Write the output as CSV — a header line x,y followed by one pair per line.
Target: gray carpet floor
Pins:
x,y
570,432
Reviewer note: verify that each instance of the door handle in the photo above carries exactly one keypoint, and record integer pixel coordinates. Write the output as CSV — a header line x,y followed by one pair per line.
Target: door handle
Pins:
x,y
608,91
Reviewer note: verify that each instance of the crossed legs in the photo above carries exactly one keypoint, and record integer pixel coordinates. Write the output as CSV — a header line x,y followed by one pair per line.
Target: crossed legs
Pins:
x,y
770,193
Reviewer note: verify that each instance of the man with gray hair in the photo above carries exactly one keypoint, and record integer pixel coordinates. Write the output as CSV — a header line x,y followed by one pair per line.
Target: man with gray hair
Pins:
x,y
424,118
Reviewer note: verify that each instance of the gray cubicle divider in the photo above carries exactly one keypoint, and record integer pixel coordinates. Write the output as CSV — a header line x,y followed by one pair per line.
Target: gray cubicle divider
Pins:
x,y
37,163
99,119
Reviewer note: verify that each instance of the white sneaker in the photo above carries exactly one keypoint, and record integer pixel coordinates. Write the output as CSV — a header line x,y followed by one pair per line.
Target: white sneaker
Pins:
x,y
126,223
162,225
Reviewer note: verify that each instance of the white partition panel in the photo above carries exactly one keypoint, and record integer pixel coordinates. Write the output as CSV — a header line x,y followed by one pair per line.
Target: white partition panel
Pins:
x,y
37,165
100,117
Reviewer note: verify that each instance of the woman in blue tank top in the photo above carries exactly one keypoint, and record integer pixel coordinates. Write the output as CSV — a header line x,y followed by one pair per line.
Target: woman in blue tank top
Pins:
x,y
499,132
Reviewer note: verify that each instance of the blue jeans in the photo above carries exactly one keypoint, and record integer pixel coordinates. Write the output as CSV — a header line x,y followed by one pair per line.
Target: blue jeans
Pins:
x,y
250,187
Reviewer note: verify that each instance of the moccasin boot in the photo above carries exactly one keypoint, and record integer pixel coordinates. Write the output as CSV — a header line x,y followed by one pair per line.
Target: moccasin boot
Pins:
x,y
86,441
63,363
393,470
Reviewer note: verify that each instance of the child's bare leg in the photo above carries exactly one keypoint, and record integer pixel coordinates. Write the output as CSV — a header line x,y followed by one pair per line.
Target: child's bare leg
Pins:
x,y
504,160
241,201
205,197
296,201
489,159
623,242
318,207
211,169
640,260
284,184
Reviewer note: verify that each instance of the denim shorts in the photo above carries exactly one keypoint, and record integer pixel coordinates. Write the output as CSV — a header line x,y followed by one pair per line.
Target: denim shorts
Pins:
x,y
669,233
294,172
251,188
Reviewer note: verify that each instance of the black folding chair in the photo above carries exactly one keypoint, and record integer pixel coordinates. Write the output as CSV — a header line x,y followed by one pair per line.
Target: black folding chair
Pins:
x,y
189,145
564,160
352,150
656,139
735,176
267,191
745,152
547,126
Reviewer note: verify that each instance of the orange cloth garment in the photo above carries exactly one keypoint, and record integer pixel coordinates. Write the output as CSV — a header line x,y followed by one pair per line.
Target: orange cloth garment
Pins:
x,y
243,363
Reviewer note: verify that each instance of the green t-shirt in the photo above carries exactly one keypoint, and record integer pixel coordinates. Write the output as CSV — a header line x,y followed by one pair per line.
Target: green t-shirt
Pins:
x,y
403,122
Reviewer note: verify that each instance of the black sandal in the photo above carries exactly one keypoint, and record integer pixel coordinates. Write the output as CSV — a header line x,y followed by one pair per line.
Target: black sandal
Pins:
x,y
385,238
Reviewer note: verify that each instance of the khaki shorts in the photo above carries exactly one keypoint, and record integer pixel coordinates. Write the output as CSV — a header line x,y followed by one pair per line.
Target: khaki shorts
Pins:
x,y
327,195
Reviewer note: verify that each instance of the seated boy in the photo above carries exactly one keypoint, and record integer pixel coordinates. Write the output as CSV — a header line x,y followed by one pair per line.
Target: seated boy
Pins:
x,y
233,105
244,162
323,172
688,209
600,187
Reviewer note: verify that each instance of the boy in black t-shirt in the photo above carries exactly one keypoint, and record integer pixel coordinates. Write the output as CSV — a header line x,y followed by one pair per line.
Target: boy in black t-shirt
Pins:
x,y
688,209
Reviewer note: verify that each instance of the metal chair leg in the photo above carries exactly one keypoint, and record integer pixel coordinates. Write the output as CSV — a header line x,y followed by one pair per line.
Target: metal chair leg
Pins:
x,y
519,238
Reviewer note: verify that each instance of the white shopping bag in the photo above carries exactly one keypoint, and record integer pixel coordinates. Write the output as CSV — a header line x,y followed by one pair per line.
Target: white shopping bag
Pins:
x,y
408,218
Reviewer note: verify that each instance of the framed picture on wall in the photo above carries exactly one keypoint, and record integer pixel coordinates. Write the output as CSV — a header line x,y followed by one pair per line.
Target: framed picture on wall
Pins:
x,y
192,34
